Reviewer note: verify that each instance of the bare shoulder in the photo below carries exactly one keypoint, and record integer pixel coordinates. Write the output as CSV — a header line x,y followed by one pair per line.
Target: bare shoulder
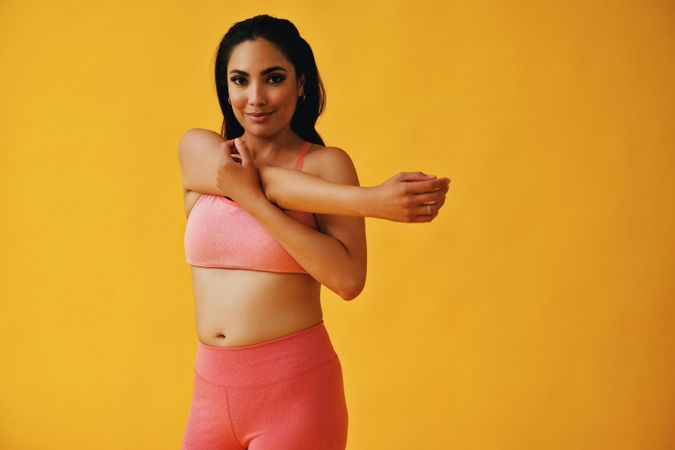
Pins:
x,y
198,137
199,154
331,163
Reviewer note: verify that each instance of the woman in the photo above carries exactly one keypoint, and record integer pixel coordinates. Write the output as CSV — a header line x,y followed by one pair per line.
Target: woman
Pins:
x,y
266,373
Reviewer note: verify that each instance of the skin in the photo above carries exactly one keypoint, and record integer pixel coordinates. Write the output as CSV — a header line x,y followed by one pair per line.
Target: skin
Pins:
x,y
205,155
243,307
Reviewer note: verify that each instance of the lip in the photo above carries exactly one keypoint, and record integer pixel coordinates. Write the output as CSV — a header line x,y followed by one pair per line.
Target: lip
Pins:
x,y
259,117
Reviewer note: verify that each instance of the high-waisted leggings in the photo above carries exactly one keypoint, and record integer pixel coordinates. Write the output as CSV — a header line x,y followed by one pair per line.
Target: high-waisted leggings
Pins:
x,y
282,394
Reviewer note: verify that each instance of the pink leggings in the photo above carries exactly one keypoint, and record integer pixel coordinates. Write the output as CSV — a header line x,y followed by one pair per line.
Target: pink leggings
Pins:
x,y
283,394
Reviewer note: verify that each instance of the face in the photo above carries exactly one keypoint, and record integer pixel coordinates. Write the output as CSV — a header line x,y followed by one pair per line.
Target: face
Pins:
x,y
261,80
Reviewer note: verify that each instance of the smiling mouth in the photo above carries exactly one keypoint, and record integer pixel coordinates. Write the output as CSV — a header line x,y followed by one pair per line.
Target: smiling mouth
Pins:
x,y
259,114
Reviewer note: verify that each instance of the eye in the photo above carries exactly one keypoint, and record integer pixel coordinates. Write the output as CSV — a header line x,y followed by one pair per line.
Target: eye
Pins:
x,y
279,77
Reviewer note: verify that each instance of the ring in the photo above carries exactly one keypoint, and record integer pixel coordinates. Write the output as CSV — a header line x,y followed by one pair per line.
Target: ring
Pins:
x,y
428,209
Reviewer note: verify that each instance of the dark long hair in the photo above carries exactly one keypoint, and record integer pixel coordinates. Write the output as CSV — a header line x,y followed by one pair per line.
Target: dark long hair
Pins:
x,y
285,36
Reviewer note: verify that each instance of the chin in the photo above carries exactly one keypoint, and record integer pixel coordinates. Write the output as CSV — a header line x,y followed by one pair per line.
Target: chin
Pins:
x,y
260,131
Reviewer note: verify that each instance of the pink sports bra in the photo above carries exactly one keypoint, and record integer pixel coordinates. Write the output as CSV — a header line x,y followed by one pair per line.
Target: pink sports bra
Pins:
x,y
219,233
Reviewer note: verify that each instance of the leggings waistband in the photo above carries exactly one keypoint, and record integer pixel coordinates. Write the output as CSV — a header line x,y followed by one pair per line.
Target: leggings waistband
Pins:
x,y
265,362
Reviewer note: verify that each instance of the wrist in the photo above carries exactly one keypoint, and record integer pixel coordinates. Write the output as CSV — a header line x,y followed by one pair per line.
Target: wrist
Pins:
x,y
255,203
362,200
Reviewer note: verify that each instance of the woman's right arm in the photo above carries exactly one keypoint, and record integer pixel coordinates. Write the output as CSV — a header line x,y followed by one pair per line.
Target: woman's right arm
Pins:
x,y
398,199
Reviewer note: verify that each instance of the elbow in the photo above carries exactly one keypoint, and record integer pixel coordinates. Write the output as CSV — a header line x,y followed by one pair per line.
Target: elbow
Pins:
x,y
268,194
352,288
263,171
349,295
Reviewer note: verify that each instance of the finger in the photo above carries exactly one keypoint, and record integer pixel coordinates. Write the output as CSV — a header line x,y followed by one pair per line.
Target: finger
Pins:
x,y
243,151
231,153
423,211
443,192
235,152
424,218
440,183
415,176
231,148
225,147
430,197
437,206
422,187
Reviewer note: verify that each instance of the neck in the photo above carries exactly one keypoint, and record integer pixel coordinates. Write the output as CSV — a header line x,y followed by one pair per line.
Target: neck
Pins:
x,y
267,148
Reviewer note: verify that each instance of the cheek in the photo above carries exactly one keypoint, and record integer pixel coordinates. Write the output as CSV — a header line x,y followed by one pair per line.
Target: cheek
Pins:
x,y
289,103
238,101
283,98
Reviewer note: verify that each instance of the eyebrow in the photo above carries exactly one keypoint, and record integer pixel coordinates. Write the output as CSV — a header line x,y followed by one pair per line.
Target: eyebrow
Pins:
x,y
263,72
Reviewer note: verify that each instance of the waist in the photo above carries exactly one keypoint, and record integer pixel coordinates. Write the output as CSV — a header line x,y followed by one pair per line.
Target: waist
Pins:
x,y
265,362
240,307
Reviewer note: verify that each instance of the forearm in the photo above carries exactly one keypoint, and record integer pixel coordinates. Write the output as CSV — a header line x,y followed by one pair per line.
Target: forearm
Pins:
x,y
321,255
301,191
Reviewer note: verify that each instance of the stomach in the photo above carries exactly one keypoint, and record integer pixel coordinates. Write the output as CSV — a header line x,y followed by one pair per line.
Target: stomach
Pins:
x,y
236,307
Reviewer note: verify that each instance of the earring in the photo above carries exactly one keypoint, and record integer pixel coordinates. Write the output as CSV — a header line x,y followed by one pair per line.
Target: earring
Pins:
x,y
302,96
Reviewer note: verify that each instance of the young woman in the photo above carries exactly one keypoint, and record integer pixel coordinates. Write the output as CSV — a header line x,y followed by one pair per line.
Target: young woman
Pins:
x,y
263,234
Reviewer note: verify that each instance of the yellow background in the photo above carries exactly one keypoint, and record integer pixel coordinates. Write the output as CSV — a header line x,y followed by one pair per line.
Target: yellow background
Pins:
x,y
536,312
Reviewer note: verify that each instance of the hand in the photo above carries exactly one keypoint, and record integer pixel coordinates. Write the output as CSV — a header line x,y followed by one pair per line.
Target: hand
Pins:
x,y
240,180
402,197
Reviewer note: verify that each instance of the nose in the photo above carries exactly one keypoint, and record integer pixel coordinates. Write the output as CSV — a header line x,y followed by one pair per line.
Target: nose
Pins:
x,y
256,96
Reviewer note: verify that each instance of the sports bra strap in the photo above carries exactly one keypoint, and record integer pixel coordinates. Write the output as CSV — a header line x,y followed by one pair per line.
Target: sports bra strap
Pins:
x,y
302,154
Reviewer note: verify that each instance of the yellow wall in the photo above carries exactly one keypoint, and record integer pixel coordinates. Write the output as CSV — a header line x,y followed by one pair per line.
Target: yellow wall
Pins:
x,y
536,312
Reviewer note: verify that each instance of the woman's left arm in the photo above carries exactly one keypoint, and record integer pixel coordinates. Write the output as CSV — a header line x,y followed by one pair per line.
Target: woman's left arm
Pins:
x,y
336,256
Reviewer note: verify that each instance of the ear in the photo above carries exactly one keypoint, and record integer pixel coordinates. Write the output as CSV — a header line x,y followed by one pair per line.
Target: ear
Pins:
x,y
301,85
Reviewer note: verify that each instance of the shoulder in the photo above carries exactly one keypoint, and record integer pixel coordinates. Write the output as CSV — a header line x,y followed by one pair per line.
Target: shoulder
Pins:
x,y
198,137
198,153
331,163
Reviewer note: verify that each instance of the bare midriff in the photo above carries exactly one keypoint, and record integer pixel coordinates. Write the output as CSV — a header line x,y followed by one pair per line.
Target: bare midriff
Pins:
x,y
237,307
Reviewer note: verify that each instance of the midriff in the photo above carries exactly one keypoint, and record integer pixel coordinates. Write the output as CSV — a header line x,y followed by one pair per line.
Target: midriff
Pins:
x,y
235,307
